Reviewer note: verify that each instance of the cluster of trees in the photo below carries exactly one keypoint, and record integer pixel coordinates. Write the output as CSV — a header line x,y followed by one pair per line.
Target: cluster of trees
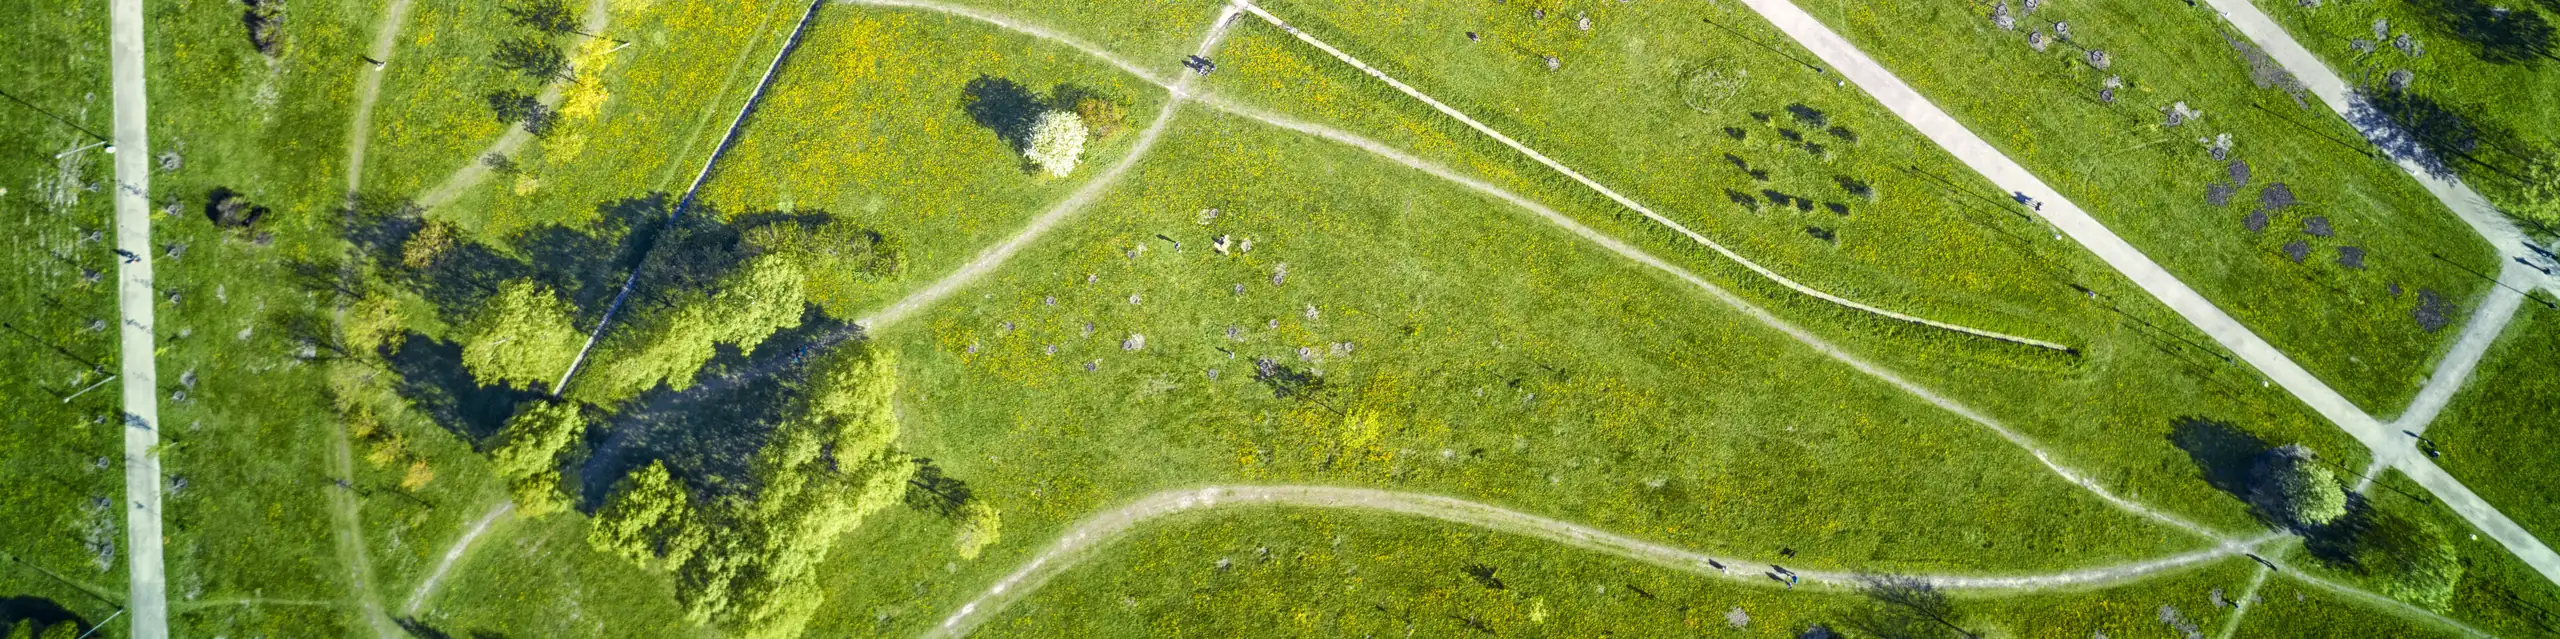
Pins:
x,y
818,476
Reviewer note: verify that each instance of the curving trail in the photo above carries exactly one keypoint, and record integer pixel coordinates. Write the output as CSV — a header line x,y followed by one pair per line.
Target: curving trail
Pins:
x,y
428,588
1613,245
598,16
386,40
1092,190
1100,530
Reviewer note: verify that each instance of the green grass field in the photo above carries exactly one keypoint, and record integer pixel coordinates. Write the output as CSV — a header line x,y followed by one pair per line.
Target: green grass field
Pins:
x,y
1385,329
2496,434
2507,92
2149,182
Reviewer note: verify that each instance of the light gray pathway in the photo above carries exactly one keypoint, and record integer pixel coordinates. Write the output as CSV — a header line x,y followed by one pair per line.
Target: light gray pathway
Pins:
x,y
1099,530
2334,91
598,16
347,527
454,554
386,42
147,596
2487,322
988,260
1943,129
727,140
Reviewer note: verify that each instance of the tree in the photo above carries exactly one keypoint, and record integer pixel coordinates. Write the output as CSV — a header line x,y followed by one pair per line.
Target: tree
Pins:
x,y
1057,142
840,259
2407,560
1103,117
528,453
533,57
671,345
819,475
521,337
2290,483
980,526
1907,607
649,520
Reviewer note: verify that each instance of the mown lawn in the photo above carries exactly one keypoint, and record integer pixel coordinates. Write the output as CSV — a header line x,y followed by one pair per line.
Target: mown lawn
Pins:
x,y
1566,383
658,107
868,123
432,115
2149,182
2496,593
1300,572
2498,433
2110,410
66,540
2513,99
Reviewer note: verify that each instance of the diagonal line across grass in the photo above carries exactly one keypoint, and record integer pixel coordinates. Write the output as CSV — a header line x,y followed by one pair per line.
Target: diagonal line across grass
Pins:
x,y
1623,200
1623,250
2155,280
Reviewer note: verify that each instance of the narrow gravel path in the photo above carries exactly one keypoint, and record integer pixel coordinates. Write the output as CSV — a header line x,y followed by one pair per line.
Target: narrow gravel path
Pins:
x,y
1613,245
386,42
1099,530
454,554
988,260
2248,597
345,521
2501,233
1623,200
147,593
598,17
1944,130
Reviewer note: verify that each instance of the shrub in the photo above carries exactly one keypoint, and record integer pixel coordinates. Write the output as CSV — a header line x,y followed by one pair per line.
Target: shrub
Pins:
x,y
1057,142
1101,117
2407,560
528,454
2538,201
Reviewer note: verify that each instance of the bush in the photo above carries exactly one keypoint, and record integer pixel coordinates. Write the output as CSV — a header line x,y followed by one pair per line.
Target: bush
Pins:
x,y
1057,142
1102,117
528,454
2538,201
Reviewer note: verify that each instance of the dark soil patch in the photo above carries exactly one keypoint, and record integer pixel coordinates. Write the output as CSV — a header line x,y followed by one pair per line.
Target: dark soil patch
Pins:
x,y
2257,221
2434,312
2317,226
2298,250
2219,194
1823,234
2353,257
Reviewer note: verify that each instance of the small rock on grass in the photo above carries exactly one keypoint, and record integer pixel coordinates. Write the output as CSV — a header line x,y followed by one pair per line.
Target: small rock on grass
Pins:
x,y
2297,250
2351,257
2317,226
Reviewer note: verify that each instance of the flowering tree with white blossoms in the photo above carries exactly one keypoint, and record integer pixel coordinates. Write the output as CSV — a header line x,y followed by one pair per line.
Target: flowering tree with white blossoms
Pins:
x,y
1057,141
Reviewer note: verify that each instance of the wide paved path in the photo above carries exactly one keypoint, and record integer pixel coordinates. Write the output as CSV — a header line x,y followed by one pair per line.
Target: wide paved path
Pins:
x,y
147,599
1906,103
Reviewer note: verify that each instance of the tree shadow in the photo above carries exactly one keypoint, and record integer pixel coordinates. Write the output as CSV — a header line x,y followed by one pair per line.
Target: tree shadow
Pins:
x,y
2498,34
710,432
433,379
2224,455
1004,107
44,613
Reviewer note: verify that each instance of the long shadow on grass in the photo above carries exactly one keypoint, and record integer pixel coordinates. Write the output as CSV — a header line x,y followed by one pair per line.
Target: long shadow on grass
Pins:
x,y
457,274
710,432
39,611
433,379
2225,457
